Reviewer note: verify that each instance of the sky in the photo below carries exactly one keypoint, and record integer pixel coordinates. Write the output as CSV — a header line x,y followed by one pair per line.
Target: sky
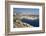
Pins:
x,y
34,11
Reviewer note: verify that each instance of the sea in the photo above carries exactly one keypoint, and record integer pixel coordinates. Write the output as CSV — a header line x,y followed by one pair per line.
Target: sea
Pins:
x,y
34,23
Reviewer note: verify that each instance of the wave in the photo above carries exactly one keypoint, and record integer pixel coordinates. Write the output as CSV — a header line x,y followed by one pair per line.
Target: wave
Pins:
x,y
30,18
